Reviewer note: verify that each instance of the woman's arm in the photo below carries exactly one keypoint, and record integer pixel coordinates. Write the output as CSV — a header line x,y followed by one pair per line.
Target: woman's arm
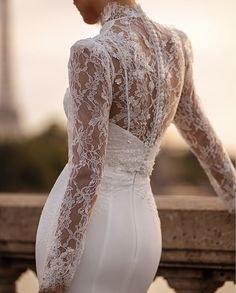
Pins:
x,y
89,108
195,127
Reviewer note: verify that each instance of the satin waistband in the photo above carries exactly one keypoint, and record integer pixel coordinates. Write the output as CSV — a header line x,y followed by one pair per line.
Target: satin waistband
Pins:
x,y
122,177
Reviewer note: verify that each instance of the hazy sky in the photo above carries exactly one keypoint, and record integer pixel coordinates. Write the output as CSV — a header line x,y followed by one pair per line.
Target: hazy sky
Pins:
x,y
43,32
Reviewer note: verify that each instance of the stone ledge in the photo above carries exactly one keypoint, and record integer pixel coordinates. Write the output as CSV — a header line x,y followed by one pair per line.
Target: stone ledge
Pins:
x,y
189,203
195,229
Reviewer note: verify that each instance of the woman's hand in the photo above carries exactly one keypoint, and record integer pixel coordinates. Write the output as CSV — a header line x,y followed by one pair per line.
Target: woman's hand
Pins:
x,y
58,289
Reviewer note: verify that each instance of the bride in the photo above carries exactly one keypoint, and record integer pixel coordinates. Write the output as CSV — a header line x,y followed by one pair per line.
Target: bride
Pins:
x,y
99,231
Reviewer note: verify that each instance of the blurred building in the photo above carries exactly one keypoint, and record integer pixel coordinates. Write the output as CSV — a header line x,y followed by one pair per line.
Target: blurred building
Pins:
x,y
9,116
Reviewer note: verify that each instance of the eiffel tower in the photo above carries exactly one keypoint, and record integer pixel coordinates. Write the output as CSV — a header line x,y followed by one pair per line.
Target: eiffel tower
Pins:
x,y
9,116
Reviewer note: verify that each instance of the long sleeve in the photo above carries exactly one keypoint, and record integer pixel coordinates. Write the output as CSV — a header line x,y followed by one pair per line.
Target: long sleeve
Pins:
x,y
194,126
88,117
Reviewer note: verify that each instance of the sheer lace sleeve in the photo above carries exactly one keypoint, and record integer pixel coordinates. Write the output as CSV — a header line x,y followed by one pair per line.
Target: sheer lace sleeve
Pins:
x,y
195,127
89,107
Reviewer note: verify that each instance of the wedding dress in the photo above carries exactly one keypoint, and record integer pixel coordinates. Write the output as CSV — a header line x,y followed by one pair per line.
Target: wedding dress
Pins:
x,y
99,231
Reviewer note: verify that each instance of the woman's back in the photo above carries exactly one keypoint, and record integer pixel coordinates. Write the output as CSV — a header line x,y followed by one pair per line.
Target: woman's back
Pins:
x,y
126,86
148,66
147,70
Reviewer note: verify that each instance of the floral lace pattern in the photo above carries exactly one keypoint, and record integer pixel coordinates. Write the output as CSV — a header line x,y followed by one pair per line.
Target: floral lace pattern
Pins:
x,y
136,74
195,127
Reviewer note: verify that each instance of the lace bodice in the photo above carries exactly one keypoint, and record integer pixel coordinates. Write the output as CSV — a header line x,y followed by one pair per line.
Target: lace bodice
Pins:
x,y
130,82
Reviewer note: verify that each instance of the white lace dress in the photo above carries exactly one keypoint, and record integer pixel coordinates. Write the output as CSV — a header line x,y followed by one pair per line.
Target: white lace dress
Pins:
x,y
99,231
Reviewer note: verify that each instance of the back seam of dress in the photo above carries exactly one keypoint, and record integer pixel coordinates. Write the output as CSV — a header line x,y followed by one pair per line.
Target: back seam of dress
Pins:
x,y
133,261
130,273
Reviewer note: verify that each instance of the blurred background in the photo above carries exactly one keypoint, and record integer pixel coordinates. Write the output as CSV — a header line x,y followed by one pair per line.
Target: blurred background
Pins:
x,y
36,37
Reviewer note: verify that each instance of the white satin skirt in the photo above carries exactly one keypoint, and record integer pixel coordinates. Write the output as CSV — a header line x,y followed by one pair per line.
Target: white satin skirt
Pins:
x,y
123,243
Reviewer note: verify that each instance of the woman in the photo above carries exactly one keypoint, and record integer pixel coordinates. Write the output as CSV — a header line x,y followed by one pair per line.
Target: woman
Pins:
x,y
99,230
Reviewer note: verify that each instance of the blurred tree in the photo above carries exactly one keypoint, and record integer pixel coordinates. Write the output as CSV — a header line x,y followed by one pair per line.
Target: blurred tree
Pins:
x,y
33,164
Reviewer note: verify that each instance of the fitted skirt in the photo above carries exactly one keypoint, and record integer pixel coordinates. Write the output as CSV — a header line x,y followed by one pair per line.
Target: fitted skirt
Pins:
x,y
123,240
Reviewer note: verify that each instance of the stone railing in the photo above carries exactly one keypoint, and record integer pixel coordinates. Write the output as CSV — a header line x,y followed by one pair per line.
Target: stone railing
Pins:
x,y
198,241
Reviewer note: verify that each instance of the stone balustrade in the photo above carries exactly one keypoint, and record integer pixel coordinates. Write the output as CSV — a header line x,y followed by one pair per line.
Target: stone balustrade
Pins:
x,y
198,241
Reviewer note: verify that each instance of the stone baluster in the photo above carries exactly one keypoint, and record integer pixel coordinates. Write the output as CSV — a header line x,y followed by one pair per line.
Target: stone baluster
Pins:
x,y
193,280
8,277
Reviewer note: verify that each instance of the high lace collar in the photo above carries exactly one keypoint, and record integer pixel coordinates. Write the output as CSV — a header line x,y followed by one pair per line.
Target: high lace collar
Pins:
x,y
114,10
